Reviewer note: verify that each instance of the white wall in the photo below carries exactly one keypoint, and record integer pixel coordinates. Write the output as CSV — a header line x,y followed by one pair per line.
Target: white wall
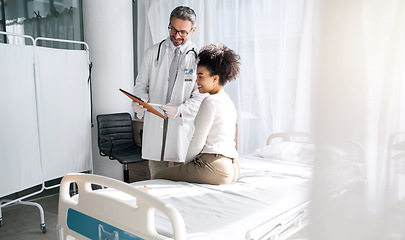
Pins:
x,y
108,31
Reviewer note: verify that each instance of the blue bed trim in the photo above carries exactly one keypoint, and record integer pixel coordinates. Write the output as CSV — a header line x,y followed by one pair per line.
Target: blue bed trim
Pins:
x,y
95,229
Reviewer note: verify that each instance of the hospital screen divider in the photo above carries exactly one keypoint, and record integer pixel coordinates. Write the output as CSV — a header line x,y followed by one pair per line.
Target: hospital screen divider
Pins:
x,y
46,117
19,148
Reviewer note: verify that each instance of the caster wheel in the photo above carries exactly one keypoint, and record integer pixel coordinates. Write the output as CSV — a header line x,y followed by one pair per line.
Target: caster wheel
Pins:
x,y
43,228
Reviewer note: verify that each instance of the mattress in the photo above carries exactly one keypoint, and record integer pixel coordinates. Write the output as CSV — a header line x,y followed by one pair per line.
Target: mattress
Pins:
x,y
273,192
266,190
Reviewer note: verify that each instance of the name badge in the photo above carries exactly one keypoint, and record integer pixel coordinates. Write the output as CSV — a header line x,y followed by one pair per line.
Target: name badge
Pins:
x,y
188,70
188,74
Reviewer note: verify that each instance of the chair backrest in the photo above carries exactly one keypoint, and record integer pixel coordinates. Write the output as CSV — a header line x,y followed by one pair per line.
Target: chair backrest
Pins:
x,y
114,128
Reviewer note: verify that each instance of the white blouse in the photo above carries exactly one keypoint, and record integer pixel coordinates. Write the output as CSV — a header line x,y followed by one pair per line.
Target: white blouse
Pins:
x,y
214,127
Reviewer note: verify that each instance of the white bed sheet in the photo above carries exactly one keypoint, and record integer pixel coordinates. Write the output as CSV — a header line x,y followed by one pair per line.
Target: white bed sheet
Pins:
x,y
265,190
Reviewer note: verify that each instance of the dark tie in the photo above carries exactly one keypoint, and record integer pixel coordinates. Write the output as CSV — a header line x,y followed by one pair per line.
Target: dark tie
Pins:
x,y
173,74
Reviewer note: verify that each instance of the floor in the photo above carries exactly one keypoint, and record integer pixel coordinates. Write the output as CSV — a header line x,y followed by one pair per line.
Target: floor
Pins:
x,y
22,222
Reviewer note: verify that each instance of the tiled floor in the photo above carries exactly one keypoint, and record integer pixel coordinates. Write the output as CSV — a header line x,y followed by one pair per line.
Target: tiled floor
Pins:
x,y
22,222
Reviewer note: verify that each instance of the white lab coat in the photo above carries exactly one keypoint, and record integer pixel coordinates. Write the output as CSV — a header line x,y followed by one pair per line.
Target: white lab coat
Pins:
x,y
151,85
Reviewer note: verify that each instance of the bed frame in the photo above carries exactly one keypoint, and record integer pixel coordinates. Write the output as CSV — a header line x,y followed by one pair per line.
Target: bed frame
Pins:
x,y
106,217
91,207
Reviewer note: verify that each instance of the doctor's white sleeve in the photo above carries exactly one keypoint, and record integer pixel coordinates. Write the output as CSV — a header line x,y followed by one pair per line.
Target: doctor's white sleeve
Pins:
x,y
141,88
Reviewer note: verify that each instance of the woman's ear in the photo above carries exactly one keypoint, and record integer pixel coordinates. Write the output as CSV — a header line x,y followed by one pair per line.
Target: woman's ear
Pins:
x,y
216,79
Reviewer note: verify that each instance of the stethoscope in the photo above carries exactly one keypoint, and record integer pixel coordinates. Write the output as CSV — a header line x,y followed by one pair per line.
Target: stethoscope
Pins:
x,y
160,46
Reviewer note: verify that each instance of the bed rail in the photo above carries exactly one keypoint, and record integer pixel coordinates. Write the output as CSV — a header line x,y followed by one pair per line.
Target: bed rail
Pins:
x,y
89,207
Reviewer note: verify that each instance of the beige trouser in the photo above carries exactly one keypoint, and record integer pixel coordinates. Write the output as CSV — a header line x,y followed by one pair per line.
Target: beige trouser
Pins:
x,y
205,168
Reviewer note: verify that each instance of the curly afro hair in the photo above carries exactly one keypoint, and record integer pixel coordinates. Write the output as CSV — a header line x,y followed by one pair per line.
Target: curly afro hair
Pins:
x,y
220,60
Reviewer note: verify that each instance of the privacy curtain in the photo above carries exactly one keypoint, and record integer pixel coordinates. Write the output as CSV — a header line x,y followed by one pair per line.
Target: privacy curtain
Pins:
x,y
20,165
359,79
335,67
64,111
274,41
46,120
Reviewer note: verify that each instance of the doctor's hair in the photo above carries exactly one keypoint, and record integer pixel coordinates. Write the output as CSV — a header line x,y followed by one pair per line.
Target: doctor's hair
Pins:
x,y
184,13
220,60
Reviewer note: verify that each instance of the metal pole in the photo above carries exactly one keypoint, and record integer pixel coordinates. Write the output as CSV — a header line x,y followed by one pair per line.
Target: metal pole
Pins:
x,y
3,19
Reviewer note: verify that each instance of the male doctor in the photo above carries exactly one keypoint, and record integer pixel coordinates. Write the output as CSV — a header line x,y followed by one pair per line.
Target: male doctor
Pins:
x,y
167,77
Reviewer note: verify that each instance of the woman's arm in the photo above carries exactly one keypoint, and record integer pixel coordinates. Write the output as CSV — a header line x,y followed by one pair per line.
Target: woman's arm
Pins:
x,y
202,126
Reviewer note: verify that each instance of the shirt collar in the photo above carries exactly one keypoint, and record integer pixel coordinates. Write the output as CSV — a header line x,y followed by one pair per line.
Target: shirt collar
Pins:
x,y
182,47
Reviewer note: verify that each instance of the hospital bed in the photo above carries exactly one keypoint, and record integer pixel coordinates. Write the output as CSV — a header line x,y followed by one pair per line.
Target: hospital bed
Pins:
x,y
270,199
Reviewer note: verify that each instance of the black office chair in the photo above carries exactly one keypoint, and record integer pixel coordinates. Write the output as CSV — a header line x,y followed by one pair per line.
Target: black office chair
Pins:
x,y
116,140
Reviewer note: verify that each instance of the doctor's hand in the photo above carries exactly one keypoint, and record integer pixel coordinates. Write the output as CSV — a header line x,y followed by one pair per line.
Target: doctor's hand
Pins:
x,y
138,108
171,110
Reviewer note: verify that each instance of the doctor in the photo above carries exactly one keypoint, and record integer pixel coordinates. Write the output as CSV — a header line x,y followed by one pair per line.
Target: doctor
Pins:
x,y
166,77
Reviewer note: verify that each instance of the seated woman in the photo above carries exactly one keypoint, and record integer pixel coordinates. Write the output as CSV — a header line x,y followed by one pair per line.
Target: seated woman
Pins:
x,y
212,155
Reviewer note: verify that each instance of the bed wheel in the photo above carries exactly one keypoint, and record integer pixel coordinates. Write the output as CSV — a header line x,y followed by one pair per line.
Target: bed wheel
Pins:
x,y
43,227
1,222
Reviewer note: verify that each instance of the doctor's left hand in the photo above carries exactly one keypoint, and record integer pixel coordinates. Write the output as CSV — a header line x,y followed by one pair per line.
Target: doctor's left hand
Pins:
x,y
171,110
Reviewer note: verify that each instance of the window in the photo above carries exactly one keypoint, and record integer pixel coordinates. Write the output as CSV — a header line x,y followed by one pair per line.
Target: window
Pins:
x,y
61,19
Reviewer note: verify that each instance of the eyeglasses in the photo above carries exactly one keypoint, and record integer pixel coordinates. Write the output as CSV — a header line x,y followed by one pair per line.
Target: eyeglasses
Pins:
x,y
182,33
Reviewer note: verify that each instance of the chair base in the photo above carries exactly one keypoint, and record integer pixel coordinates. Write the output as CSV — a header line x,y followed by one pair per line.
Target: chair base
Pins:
x,y
126,173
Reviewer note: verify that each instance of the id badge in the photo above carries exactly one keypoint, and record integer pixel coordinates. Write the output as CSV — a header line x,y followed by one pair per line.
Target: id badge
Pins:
x,y
188,74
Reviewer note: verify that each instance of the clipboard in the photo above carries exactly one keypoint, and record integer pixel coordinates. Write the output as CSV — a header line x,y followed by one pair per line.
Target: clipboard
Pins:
x,y
148,107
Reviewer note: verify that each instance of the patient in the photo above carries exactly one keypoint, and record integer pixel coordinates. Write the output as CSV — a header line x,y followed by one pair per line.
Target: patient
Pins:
x,y
212,155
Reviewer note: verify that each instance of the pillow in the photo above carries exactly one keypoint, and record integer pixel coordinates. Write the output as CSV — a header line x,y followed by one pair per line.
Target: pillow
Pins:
x,y
299,152
289,151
